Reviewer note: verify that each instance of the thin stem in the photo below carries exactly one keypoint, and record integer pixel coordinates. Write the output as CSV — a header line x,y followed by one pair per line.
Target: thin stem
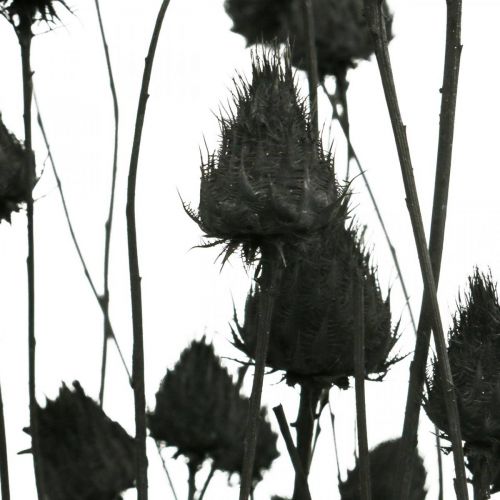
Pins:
x,y
4,464
440,465
25,36
109,222
73,235
359,376
332,419
292,451
376,22
341,91
312,64
167,473
207,482
135,277
271,276
439,211
193,469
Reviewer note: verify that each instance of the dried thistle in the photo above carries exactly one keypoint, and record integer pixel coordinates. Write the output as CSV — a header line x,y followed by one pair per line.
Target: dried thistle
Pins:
x,y
200,412
30,11
312,328
474,353
84,454
383,464
14,185
270,180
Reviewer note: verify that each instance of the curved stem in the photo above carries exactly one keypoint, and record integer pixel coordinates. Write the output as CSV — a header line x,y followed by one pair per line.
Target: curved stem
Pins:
x,y
135,277
376,22
4,464
341,91
207,482
167,473
193,469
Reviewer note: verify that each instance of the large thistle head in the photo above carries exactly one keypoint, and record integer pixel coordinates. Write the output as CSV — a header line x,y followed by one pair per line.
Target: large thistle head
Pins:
x,y
27,12
474,354
14,181
270,180
383,465
313,325
84,454
200,412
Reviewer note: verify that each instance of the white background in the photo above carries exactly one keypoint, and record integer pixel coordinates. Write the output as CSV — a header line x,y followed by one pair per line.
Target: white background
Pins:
x,y
185,294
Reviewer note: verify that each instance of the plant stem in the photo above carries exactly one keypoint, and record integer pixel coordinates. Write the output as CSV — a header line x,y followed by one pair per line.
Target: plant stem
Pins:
x,y
332,420
440,465
269,281
167,473
109,222
25,36
135,277
359,376
376,22
480,478
341,91
207,482
438,224
292,451
4,464
193,469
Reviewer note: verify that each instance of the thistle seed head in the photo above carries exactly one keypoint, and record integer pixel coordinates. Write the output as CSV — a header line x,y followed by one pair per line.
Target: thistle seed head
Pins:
x,y
30,11
84,454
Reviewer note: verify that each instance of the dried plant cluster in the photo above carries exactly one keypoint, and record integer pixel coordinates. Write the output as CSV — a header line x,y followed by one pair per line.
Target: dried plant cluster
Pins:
x,y
30,10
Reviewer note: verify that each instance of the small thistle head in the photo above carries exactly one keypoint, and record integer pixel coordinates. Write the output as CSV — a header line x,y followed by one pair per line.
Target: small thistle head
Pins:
x,y
14,185
84,454
269,180
383,465
313,329
27,12
474,354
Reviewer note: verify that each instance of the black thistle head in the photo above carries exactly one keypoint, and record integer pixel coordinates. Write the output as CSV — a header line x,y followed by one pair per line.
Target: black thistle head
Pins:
x,y
383,465
199,411
474,354
313,327
84,454
27,12
14,181
341,33
270,180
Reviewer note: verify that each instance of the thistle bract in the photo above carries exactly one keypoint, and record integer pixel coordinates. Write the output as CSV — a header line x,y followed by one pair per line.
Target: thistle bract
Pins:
x,y
30,11
84,454
312,330
13,174
383,464
269,180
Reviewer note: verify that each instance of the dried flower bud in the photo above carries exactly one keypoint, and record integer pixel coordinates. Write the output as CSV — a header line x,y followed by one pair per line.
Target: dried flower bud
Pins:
x,y
13,179
270,180
383,464
312,329
200,412
30,11
84,454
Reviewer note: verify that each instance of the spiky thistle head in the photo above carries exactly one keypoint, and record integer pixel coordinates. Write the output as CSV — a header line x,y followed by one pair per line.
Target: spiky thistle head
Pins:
x,y
383,465
84,454
270,180
27,12
474,354
200,412
14,181
313,328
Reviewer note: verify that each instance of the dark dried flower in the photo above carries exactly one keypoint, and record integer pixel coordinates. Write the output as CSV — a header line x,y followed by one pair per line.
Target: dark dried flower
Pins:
x,y
200,412
270,180
84,454
13,179
30,11
341,33
383,464
312,329
474,353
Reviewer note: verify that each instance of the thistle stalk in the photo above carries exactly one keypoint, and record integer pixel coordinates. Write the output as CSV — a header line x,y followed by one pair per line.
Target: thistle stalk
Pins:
x,y
376,23
4,465
193,469
135,277
438,224
480,478
207,482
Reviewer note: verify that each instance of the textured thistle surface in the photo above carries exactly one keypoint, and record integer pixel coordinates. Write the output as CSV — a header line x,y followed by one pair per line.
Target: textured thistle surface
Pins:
x,y
200,412
13,178
383,464
313,329
84,454
31,10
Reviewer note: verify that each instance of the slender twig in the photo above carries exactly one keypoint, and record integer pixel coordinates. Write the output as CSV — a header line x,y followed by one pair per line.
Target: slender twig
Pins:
x,y
440,465
167,473
359,376
4,464
292,451
73,235
25,36
109,222
376,22
207,482
193,469
135,277
341,91
332,419
438,224
271,276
